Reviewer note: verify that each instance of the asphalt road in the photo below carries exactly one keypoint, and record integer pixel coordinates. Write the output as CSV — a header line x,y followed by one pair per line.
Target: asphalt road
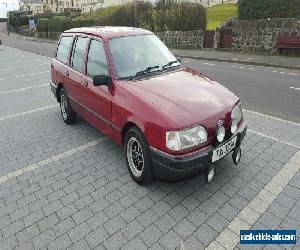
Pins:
x,y
272,91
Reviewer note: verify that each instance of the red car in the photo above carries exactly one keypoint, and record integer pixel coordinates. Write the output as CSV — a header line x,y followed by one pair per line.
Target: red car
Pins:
x,y
173,122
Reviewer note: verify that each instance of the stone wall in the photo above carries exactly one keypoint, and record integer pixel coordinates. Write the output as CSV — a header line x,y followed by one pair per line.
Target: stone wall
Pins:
x,y
182,39
261,35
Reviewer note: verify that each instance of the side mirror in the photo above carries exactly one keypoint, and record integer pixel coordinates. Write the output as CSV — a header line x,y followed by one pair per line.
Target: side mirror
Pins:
x,y
99,80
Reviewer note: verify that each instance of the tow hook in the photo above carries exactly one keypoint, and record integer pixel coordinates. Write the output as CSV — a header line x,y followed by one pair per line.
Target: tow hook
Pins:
x,y
236,156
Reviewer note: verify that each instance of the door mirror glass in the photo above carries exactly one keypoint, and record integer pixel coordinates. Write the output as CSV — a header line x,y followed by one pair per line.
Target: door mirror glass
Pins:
x,y
99,80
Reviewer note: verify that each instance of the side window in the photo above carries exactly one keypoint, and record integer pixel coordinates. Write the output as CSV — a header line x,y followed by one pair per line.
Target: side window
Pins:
x,y
63,49
77,61
97,64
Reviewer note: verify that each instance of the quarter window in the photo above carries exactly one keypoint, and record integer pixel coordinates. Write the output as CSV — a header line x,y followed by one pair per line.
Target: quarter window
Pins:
x,y
78,53
96,64
63,49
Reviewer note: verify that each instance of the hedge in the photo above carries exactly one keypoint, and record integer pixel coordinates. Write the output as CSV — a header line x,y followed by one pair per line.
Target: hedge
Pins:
x,y
185,17
173,17
59,23
16,21
159,17
42,24
264,9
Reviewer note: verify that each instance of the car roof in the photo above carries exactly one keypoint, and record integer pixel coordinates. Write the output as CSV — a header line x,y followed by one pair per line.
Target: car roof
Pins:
x,y
110,31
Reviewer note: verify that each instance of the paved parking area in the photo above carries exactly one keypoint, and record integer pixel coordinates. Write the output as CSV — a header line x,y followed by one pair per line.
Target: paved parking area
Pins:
x,y
68,186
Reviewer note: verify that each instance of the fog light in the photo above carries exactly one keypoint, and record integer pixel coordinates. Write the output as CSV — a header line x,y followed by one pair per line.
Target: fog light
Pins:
x,y
236,156
221,134
234,125
210,174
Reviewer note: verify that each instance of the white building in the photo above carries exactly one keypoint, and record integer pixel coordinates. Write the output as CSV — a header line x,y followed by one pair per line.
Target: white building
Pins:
x,y
54,6
91,5
34,6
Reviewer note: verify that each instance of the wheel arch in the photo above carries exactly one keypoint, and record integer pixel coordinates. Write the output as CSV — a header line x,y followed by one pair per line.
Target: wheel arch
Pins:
x,y
126,128
59,87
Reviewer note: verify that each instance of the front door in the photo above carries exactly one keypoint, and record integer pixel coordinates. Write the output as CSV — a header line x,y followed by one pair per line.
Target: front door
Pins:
x,y
97,100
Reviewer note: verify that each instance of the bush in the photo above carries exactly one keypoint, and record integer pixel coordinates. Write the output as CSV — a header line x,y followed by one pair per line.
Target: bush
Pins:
x,y
59,24
42,24
185,17
123,15
159,17
264,9
18,21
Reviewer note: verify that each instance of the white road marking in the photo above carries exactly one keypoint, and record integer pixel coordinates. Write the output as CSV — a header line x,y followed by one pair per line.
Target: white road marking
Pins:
x,y
293,74
273,138
294,88
229,237
210,64
26,66
272,117
274,71
27,112
51,159
281,72
251,68
30,74
186,61
22,89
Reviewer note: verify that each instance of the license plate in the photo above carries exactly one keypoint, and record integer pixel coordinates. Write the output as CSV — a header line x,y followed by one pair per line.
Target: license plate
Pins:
x,y
223,150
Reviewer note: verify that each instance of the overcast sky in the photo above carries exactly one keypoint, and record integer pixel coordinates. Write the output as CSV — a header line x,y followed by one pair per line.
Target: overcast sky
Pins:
x,y
11,5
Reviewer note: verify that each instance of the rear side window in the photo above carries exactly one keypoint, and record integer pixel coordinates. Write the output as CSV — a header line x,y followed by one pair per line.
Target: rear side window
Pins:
x,y
96,64
77,61
63,49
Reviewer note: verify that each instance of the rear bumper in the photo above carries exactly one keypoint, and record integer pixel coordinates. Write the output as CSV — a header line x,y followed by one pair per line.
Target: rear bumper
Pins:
x,y
53,87
169,167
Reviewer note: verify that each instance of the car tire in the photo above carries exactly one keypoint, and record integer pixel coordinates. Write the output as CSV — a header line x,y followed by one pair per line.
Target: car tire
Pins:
x,y
68,114
138,157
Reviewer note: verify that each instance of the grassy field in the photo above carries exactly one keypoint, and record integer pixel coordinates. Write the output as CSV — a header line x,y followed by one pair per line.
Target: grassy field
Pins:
x,y
219,13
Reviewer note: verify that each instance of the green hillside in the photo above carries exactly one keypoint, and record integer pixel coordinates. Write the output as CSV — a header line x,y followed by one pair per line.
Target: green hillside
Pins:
x,y
219,13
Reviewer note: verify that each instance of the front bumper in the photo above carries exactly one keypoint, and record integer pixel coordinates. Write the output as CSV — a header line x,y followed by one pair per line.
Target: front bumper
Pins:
x,y
169,167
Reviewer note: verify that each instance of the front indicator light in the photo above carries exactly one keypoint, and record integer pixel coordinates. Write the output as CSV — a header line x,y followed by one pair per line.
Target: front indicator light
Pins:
x,y
234,125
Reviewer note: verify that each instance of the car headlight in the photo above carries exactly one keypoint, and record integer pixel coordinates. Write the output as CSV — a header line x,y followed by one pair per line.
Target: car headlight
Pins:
x,y
179,140
236,117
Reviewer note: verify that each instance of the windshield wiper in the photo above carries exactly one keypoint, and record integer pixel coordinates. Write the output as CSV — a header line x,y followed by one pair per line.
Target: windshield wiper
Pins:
x,y
145,71
169,64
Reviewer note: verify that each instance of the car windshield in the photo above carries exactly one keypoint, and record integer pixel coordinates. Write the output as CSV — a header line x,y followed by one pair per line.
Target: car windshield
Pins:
x,y
138,55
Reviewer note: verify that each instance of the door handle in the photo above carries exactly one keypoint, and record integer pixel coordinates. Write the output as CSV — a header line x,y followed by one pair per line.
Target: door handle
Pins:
x,y
85,83
67,73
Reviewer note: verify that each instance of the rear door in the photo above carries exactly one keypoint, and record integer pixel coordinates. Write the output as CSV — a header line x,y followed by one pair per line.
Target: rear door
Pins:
x,y
60,64
76,70
97,99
